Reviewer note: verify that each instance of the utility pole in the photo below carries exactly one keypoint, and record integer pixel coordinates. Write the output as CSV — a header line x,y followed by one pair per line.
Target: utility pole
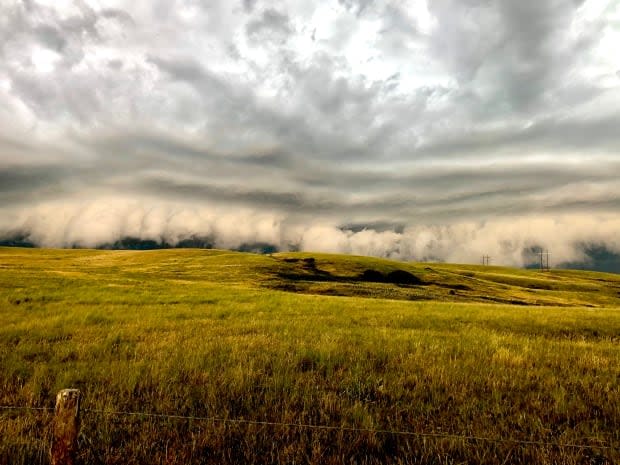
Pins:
x,y
486,260
544,260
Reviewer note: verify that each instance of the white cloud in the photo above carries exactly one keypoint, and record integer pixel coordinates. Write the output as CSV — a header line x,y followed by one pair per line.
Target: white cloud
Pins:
x,y
107,219
316,114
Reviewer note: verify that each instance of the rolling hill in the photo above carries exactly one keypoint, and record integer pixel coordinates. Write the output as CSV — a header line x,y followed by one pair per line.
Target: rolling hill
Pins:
x,y
210,356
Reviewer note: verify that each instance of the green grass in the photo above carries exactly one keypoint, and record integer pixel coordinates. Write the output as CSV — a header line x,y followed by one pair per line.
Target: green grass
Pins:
x,y
285,339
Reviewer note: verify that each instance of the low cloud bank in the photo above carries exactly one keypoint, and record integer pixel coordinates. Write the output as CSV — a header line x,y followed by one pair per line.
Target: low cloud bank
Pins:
x,y
508,241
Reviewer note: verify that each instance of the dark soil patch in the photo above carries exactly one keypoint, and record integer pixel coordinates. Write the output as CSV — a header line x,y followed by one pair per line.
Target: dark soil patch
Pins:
x,y
310,262
456,287
373,276
393,277
403,277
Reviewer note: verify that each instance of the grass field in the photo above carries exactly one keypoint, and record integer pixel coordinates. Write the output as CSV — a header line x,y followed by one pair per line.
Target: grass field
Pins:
x,y
352,342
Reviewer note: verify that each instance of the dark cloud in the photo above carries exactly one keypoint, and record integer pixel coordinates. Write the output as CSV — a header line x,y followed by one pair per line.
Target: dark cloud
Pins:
x,y
50,37
547,135
249,5
24,180
271,24
180,69
522,52
444,119
121,15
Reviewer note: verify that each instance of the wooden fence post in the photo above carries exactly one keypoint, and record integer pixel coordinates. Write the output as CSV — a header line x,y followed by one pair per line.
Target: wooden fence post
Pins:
x,y
66,427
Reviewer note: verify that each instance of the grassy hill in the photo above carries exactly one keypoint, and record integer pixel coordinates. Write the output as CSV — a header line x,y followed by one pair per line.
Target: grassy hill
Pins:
x,y
321,274
352,342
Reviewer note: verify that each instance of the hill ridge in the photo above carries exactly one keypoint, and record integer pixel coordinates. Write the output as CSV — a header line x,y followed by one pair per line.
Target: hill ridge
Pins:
x,y
324,274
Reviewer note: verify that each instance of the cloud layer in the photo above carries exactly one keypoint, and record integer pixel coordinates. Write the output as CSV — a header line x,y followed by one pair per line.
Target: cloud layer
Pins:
x,y
404,128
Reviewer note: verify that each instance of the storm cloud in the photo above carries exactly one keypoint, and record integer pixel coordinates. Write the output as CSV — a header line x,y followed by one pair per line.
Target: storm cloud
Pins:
x,y
467,128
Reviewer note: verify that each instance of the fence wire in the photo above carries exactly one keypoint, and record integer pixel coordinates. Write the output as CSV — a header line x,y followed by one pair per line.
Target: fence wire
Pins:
x,y
241,421
15,407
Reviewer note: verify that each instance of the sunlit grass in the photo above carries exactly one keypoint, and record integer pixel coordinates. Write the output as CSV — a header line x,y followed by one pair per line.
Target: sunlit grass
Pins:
x,y
205,333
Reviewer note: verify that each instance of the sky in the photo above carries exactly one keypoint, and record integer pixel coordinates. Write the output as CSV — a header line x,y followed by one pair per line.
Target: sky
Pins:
x,y
409,129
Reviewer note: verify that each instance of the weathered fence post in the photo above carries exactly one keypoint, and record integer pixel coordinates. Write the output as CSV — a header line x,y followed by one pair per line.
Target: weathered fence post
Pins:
x,y
66,427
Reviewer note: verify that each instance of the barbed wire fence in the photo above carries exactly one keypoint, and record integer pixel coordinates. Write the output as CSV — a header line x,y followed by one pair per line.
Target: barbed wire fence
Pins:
x,y
438,435
66,428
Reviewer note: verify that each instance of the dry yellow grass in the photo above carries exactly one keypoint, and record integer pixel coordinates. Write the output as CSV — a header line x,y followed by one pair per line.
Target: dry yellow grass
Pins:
x,y
208,333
